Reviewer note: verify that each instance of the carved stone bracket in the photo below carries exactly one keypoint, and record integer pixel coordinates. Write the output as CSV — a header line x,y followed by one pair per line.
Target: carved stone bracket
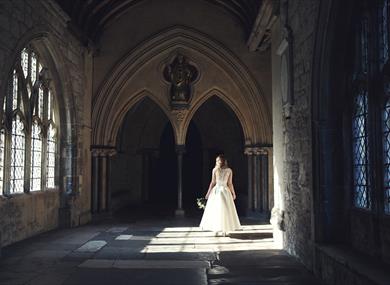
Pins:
x,y
179,115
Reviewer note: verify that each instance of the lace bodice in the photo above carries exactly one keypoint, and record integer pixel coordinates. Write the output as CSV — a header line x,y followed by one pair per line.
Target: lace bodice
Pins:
x,y
222,176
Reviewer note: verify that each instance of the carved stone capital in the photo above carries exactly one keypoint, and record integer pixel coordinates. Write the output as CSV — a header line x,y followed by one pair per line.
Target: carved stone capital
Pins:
x,y
248,151
103,151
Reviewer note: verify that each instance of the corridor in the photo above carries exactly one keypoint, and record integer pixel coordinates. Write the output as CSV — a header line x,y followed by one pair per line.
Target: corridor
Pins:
x,y
151,251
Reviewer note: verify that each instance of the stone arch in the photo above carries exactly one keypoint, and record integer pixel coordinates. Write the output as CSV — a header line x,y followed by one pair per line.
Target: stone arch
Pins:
x,y
221,95
133,100
110,99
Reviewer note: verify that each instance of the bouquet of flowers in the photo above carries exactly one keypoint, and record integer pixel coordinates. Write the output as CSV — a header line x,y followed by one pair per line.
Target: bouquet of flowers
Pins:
x,y
201,202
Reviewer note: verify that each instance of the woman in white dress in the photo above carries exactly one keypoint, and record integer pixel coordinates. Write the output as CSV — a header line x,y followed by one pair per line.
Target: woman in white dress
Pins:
x,y
220,213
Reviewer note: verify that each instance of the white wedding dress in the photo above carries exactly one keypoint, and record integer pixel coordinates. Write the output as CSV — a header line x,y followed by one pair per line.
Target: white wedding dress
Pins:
x,y
220,213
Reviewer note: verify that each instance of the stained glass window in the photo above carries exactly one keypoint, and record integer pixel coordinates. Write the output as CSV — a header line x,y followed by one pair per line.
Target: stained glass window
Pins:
x,y
17,156
51,156
36,158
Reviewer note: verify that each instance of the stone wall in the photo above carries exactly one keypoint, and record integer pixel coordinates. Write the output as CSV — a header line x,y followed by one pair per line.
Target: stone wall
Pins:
x,y
25,215
22,22
292,135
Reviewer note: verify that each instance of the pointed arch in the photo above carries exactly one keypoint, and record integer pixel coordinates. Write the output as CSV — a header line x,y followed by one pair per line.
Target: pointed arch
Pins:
x,y
248,97
225,99
117,120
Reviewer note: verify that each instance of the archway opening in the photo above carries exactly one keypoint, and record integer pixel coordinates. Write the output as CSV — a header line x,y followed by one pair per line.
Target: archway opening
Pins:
x,y
144,173
192,170
220,133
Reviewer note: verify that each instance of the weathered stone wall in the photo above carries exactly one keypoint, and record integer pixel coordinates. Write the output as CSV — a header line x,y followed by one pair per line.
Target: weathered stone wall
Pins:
x,y
292,136
22,22
25,215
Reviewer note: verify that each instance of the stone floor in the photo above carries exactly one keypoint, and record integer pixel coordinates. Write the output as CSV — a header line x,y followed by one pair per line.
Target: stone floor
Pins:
x,y
150,251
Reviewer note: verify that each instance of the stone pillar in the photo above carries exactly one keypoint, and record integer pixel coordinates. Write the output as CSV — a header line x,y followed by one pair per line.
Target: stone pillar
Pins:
x,y
256,180
249,153
264,185
101,175
95,184
180,150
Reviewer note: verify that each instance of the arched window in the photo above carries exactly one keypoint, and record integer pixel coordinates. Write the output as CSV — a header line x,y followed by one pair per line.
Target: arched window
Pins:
x,y
17,155
384,65
370,86
28,163
360,148
36,157
51,155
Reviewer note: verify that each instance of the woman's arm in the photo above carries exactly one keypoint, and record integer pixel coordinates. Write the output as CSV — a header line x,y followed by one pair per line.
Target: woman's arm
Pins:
x,y
212,183
230,184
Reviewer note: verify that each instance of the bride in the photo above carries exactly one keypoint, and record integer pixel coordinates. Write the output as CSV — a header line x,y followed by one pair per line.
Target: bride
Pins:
x,y
220,214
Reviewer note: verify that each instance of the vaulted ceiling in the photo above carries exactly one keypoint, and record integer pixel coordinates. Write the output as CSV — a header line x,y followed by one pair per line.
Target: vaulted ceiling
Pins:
x,y
89,17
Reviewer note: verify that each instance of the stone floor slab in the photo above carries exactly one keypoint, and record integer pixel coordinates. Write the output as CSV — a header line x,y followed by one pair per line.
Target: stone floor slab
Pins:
x,y
92,246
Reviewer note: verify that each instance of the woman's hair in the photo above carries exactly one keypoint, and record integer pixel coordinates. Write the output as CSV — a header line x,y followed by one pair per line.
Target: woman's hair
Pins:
x,y
223,160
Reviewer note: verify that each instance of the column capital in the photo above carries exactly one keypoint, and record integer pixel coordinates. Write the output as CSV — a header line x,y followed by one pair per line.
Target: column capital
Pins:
x,y
248,150
103,150
260,151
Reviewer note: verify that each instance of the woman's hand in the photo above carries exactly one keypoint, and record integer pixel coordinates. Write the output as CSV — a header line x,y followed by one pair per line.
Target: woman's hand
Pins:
x,y
234,196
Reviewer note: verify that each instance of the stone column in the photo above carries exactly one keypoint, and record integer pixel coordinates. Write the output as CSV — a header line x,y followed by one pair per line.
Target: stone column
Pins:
x,y
256,180
95,184
180,150
101,175
264,185
249,153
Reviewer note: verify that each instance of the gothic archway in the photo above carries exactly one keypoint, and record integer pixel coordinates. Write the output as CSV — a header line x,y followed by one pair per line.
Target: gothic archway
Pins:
x,y
220,133
143,172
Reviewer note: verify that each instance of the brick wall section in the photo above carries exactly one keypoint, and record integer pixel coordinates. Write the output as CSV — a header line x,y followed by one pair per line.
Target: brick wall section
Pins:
x,y
19,19
297,134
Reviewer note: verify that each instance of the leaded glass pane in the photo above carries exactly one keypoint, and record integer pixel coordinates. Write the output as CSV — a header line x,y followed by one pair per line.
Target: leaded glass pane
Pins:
x,y
360,151
49,105
386,149
384,31
36,158
33,68
17,156
24,62
40,102
2,151
15,88
51,156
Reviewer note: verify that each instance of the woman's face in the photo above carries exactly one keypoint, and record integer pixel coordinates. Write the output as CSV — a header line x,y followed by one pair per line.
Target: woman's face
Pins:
x,y
218,162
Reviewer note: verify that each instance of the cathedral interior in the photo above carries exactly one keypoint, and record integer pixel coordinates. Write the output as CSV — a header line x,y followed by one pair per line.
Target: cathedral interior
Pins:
x,y
113,112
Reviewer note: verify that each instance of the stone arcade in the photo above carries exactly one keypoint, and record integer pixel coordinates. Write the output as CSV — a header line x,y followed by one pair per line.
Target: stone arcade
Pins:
x,y
119,107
